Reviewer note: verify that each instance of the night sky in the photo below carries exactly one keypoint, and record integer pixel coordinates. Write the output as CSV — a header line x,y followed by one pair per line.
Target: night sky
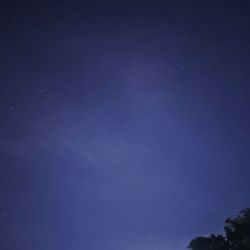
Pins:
x,y
124,125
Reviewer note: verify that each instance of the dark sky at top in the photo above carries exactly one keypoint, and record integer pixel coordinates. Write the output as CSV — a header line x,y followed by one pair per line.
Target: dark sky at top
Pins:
x,y
124,125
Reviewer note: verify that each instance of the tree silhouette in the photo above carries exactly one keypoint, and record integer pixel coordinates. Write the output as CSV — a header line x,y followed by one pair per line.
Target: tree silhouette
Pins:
x,y
213,242
238,231
237,235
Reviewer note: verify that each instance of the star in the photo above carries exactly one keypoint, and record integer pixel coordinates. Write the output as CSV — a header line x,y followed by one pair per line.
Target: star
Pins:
x,y
41,91
182,67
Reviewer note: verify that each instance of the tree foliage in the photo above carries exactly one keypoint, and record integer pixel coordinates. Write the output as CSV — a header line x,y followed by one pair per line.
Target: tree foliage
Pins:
x,y
237,235
214,242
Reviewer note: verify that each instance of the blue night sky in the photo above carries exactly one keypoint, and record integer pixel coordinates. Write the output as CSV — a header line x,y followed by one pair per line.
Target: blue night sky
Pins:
x,y
124,125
